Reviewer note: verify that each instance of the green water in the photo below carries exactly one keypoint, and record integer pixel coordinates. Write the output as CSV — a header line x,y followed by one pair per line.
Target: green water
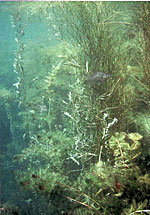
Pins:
x,y
74,108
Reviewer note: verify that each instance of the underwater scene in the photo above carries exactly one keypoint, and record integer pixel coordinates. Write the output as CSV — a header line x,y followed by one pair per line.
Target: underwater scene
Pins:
x,y
74,108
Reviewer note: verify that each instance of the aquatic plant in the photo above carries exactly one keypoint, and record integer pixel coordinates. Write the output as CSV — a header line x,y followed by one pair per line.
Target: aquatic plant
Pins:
x,y
140,18
16,20
141,15
96,160
118,180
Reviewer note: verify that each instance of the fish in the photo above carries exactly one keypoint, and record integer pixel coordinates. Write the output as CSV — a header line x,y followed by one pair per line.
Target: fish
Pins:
x,y
97,78
41,187
117,185
34,176
24,183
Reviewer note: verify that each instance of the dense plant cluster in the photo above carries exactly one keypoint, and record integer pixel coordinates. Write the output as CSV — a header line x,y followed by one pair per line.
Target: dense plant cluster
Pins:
x,y
83,144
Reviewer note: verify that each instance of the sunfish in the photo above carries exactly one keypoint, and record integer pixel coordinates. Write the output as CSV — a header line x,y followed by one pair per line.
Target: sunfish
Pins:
x,y
97,78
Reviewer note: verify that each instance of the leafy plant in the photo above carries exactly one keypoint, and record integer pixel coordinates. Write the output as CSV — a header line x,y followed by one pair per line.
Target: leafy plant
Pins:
x,y
83,137
124,148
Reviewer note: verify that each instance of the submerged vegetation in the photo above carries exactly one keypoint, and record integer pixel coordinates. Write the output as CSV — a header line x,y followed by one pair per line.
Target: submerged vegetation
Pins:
x,y
79,116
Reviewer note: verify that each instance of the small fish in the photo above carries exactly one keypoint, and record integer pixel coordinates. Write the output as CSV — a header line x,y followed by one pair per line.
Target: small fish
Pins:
x,y
41,187
34,176
38,136
17,157
24,183
117,185
97,78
